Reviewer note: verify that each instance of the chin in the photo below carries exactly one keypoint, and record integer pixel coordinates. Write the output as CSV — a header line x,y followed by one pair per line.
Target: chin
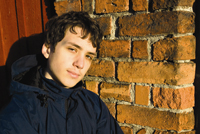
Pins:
x,y
70,85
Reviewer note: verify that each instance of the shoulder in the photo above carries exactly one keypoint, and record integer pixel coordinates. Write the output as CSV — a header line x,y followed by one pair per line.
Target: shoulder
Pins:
x,y
10,115
96,101
90,93
91,96
13,108
17,107
14,120
18,115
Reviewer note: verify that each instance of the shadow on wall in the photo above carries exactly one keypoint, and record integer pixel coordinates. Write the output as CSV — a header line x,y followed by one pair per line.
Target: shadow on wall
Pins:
x,y
22,47
50,9
197,76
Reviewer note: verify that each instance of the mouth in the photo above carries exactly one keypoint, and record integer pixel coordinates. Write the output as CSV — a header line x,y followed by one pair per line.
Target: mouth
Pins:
x,y
73,74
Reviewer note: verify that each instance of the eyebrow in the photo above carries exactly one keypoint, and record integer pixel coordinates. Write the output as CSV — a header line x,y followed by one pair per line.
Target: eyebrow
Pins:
x,y
77,46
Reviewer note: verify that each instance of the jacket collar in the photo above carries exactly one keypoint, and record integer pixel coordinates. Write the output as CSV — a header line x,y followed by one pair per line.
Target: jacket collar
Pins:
x,y
52,86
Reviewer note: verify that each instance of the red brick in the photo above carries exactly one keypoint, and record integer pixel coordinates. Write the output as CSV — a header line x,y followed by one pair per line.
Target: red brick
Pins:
x,y
155,118
157,23
117,91
186,22
135,25
173,98
102,68
182,48
140,5
142,94
105,24
66,6
140,49
141,131
112,109
108,6
92,86
127,130
190,132
73,5
117,48
166,132
156,72
87,6
159,4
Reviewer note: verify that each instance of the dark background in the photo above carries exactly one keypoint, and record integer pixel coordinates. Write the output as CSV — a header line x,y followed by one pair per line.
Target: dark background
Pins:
x,y
23,46
197,78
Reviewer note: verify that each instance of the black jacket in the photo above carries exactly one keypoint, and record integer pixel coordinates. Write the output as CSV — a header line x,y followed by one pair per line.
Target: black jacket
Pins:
x,y
40,106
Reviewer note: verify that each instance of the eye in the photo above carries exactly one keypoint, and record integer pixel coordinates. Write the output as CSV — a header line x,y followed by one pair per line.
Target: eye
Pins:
x,y
89,57
72,49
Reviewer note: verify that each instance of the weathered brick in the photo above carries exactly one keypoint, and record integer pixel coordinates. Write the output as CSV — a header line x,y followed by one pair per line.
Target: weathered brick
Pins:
x,y
117,91
142,94
173,98
186,22
156,72
92,86
127,130
140,5
116,48
182,48
167,132
135,25
140,49
155,118
157,23
102,68
66,6
105,24
87,6
108,6
112,109
190,132
159,4
141,131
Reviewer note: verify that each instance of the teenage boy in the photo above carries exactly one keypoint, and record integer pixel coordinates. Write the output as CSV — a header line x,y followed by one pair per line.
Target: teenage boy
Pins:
x,y
47,93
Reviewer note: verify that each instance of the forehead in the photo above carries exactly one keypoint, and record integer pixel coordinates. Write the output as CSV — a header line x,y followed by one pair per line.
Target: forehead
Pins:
x,y
76,39
77,35
82,33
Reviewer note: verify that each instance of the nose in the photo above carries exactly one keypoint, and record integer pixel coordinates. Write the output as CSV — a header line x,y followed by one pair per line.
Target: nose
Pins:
x,y
79,62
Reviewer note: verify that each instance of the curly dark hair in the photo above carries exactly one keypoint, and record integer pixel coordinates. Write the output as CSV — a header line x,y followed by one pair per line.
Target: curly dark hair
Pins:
x,y
56,27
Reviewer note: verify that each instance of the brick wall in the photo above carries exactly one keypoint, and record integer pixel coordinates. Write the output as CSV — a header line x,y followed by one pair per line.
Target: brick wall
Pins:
x,y
144,71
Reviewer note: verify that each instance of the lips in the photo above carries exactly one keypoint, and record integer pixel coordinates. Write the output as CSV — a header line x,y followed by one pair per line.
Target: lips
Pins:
x,y
73,74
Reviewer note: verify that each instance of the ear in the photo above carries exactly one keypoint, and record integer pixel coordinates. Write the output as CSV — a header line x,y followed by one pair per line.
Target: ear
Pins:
x,y
46,50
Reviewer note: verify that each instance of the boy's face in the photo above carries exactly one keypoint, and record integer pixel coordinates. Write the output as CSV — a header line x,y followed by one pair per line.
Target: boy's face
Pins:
x,y
71,59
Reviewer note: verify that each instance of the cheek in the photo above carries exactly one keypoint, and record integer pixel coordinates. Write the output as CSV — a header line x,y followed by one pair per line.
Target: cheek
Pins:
x,y
56,64
57,59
